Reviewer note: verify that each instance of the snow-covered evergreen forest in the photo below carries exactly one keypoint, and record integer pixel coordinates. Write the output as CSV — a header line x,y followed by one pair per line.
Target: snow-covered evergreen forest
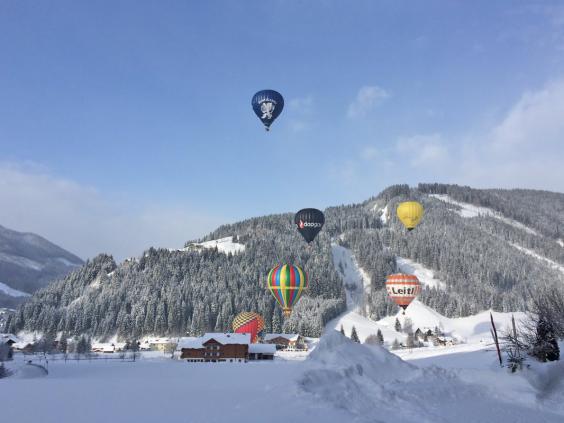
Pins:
x,y
494,259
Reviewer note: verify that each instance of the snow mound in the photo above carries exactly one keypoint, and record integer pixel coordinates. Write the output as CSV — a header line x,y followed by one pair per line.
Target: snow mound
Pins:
x,y
426,276
376,386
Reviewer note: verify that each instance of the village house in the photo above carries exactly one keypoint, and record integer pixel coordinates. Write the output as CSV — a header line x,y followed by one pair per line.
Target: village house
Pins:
x,y
8,340
158,344
108,347
286,341
216,347
262,351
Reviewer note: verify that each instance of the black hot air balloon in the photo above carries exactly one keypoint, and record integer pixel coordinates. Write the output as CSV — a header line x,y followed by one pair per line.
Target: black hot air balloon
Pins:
x,y
309,222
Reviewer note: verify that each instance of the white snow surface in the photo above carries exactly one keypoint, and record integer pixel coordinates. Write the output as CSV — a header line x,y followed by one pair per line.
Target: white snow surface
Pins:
x,y
385,215
356,280
473,329
12,292
426,276
21,261
470,210
548,261
223,245
357,286
561,243
377,386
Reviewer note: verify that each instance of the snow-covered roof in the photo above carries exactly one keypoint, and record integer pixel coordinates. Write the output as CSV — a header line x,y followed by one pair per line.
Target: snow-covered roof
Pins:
x,y
222,338
5,337
159,341
262,348
288,336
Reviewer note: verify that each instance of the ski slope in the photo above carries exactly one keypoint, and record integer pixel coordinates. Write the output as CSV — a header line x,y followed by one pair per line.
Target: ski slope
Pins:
x,y
357,285
470,210
531,253
426,276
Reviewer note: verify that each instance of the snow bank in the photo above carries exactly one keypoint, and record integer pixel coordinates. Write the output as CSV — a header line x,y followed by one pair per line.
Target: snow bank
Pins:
x,y
376,386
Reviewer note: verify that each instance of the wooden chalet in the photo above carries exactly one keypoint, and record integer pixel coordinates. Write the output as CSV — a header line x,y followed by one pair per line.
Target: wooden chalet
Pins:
x,y
286,341
216,347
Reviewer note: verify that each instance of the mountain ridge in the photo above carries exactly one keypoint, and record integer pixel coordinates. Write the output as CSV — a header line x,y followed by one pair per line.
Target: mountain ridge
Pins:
x,y
201,289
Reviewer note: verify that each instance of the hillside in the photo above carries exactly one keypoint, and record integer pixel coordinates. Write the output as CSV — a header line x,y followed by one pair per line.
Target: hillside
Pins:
x,y
476,249
29,262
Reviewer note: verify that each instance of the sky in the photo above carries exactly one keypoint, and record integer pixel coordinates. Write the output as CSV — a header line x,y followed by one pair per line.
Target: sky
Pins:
x,y
125,125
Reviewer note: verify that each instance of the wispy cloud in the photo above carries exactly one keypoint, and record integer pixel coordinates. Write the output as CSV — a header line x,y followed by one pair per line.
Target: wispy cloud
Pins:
x,y
300,113
85,221
522,149
423,150
367,98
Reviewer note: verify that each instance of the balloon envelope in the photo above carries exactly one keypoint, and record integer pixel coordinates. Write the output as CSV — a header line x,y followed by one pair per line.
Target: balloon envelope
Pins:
x,y
267,105
286,283
248,322
410,213
403,288
309,223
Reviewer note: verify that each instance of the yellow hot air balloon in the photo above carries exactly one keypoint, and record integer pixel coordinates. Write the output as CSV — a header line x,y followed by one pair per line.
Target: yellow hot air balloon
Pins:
x,y
410,214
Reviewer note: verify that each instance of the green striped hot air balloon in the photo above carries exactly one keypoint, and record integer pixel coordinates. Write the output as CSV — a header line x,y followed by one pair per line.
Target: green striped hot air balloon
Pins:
x,y
286,283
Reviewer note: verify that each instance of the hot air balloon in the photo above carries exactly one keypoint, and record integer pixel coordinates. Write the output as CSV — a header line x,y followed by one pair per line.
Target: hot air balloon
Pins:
x,y
410,214
268,105
248,322
309,222
403,288
286,283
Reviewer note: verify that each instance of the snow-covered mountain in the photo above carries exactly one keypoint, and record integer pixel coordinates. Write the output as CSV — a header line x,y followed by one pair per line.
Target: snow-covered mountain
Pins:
x,y
475,250
29,262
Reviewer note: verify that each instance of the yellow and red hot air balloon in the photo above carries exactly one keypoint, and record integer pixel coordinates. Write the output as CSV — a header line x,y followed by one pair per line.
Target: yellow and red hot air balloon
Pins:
x,y
410,214
403,288
248,322
287,282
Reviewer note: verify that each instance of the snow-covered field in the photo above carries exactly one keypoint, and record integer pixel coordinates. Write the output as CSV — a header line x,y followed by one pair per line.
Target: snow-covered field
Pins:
x,y
337,381
223,245
340,381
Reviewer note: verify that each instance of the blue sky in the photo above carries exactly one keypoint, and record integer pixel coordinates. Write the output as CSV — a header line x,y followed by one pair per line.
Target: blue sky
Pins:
x,y
128,124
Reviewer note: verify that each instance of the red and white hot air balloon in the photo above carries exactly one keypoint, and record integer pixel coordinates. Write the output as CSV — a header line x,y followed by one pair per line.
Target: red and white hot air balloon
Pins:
x,y
403,288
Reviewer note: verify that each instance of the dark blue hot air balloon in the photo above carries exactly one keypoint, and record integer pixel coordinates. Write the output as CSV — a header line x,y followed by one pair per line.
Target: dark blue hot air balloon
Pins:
x,y
268,105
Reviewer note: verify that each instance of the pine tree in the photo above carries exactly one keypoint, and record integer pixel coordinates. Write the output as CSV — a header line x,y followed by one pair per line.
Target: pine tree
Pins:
x,y
354,335
396,345
380,337
545,347
343,330
397,325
